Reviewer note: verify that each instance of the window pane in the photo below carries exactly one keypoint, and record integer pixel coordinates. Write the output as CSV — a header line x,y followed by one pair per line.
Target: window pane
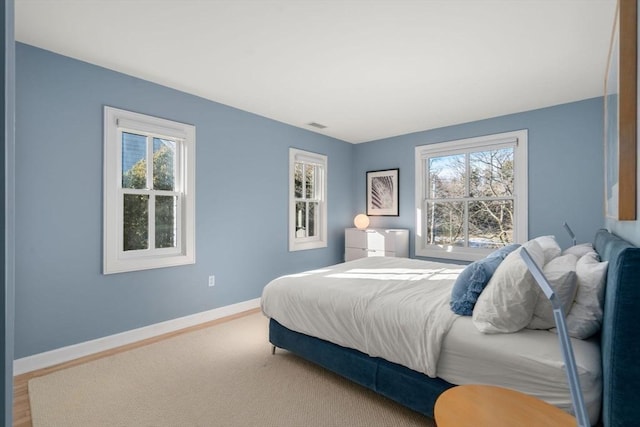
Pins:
x,y
490,223
445,223
491,173
166,221
135,222
312,219
134,164
164,157
307,219
298,180
447,177
301,219
310,174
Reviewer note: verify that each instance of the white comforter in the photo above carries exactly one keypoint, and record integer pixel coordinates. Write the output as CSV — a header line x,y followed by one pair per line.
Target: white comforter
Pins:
x,y
394,308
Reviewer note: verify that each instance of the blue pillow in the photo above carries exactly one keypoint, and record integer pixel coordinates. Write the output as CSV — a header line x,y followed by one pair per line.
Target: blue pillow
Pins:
x,y
473,279
504,251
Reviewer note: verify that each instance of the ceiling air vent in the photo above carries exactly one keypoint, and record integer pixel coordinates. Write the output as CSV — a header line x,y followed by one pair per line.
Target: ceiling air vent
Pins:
x,y
316,125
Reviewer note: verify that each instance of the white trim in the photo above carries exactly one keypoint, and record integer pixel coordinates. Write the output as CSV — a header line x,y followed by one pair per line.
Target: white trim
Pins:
x,y
140,123
487,142
319,241
517,138
115,260
75,351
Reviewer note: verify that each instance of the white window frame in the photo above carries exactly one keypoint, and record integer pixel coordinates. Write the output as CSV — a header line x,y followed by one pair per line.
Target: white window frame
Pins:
x,y
320,240
516,139
115,259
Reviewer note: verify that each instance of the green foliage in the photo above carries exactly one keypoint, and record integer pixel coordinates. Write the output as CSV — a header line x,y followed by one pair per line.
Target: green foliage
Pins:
x,y
163,172
165,219
136,177
136,222
136,207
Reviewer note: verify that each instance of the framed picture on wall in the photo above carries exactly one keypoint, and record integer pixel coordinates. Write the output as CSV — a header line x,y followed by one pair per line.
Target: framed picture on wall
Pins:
x,y
383,193
620,110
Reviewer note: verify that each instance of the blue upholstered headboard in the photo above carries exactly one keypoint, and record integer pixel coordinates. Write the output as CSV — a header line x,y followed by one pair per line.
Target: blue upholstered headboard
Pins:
x,y
620,331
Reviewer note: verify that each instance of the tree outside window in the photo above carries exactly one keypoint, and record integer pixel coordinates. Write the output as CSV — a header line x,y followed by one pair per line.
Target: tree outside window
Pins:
x,y
136,206
471,200
307,200
149,192
471,195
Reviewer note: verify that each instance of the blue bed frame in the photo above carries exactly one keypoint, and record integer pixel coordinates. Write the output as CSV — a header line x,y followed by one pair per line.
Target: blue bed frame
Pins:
x,y
620,339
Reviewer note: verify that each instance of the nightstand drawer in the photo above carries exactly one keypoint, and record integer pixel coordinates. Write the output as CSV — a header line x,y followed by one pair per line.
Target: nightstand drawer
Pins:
x,y
366,239
376,242
355,253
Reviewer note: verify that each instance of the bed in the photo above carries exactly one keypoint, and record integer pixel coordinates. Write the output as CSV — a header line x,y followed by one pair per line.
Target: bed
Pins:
x,y
415,372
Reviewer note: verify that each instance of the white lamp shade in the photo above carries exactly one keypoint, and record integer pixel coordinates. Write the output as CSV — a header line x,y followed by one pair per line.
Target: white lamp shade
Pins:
x,y
361,221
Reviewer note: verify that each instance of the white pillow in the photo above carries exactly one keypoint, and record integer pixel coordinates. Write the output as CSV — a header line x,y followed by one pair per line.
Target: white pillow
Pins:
x,y
507,303
561,274
550,247
585,317
579,250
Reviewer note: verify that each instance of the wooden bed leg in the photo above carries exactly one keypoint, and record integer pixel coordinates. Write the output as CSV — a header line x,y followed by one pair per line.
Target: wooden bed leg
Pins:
x,y
273,349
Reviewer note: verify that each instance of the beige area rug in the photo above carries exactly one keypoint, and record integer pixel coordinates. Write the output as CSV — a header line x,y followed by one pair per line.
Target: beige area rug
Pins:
x,y
224,375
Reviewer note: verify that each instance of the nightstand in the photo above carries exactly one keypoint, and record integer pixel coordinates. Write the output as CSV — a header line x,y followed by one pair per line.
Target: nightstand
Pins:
x,y
375,242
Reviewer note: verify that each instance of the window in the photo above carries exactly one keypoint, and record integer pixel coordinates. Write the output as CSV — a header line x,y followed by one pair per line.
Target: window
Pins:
x,y
471,195
149,192
307,200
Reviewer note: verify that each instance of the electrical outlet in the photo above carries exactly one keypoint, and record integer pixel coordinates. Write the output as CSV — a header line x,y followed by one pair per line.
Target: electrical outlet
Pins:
x,y
212,280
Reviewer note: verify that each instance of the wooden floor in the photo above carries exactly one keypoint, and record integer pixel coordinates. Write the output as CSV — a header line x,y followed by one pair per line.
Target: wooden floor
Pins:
x,y
21,407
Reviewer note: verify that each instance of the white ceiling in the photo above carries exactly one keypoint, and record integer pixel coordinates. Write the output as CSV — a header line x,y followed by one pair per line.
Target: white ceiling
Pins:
x,y
367,69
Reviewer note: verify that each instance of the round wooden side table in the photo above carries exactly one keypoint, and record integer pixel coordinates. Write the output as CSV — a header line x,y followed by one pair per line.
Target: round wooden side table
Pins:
x,y
484,405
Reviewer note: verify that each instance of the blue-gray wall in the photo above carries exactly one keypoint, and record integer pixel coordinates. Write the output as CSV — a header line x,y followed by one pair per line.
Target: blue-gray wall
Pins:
x,y
241,206
6,213
565,167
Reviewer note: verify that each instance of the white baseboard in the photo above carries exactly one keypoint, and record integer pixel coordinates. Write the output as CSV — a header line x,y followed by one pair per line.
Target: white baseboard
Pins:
x,y
75,351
